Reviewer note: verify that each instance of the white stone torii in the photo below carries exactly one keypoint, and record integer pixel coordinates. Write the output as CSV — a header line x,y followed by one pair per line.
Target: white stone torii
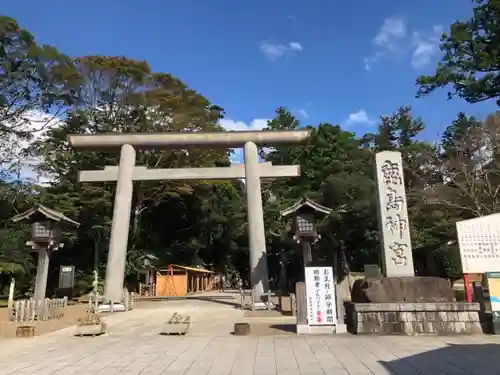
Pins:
x,y
127,172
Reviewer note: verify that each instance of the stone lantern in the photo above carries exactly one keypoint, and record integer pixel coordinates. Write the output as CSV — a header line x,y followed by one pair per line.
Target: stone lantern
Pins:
x,y
46,231
305,213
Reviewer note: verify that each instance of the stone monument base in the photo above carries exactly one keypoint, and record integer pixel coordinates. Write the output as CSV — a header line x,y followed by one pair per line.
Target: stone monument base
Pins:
x,y
304,329
403,318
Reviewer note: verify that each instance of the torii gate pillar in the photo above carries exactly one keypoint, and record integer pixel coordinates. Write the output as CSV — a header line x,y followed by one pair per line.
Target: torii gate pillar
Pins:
x,y
256,232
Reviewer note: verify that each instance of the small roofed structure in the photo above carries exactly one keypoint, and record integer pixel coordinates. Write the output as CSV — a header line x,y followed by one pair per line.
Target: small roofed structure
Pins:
x,y
45,212
177,281
306,202
46,225
305,212
46,232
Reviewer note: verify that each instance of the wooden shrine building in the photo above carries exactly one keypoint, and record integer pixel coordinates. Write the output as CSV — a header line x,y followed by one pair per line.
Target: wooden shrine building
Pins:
x,y
178,281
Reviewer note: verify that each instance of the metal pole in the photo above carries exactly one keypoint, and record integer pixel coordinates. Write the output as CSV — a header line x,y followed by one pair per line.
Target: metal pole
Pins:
x,y
115,270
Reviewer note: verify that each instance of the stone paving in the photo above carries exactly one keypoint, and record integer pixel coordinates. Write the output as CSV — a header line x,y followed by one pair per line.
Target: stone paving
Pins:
x,y
133,346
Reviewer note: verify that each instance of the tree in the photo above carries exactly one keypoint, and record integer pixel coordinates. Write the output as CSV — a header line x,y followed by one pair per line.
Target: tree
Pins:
x,y
471,61
15,259
33,78
336,172
455,134
471,173
36,85
121,95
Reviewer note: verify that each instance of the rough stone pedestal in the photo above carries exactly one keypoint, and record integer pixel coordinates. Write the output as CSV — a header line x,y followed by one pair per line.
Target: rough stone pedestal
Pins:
x,y
414,318
402,289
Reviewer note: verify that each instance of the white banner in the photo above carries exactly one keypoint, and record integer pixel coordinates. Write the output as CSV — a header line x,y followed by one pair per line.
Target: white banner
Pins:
x,y
320,293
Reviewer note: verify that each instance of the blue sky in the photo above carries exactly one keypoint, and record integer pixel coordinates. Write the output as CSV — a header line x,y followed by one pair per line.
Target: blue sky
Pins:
x,y
328,61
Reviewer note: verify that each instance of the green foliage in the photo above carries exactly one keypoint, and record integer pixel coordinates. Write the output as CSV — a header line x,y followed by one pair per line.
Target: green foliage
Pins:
x,y
471,61
33,77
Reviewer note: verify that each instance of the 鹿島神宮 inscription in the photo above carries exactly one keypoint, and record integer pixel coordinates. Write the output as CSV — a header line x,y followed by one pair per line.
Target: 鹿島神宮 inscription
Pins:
x,y
394,222
393,216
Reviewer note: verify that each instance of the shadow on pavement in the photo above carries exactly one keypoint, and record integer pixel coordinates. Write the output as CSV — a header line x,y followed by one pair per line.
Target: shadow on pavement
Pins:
x,y
227,302
481,359
291,328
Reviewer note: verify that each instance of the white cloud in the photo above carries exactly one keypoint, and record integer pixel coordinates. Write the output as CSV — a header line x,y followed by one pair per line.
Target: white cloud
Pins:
x,y
392,31
295,46
255,124
303,113
359,118
394,38
275,51
425,47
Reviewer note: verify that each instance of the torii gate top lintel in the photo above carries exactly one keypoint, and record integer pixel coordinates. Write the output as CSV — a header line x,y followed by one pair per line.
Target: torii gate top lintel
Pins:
x,y
230,139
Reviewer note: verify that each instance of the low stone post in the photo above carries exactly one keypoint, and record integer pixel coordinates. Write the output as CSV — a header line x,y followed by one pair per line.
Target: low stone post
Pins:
x,y
301,300
10,303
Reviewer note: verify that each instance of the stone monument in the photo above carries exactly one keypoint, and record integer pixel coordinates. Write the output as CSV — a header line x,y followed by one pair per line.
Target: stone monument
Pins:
x,y
395,242
399,302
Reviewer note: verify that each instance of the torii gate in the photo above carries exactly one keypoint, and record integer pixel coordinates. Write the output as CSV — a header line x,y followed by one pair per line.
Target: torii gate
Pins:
x,y
126,172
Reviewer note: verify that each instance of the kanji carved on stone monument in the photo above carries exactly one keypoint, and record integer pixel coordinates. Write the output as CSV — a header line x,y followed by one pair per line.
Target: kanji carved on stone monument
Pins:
x,y
394,201
393,216
399,249
396,225
391,173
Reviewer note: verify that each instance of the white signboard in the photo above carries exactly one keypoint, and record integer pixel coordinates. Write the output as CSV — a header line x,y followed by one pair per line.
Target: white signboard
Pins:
x,y
479,244
320,292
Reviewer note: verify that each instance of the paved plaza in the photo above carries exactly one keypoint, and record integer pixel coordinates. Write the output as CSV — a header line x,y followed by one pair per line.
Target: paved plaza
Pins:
x,y
133,346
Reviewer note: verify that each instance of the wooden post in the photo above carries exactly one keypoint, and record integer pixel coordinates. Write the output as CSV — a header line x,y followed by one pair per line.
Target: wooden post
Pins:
x,y
301,300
